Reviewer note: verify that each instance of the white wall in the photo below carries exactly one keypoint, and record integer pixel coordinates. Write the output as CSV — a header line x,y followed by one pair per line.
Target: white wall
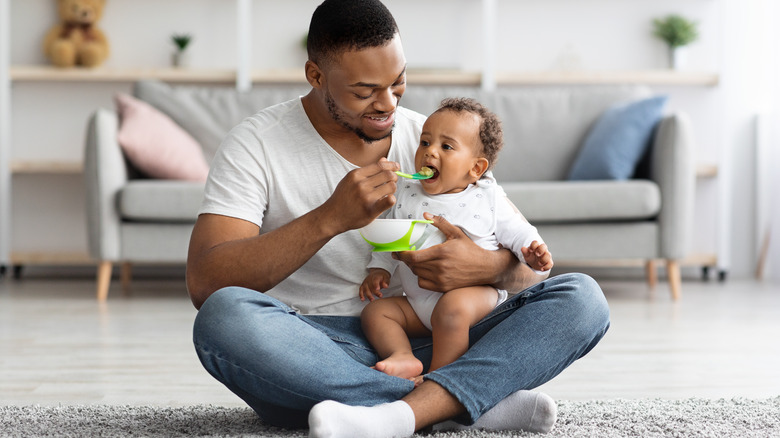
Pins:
x,y
532,35
749,76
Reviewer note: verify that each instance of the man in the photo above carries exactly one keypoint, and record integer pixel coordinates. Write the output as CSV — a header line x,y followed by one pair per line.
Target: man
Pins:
x,y
275,261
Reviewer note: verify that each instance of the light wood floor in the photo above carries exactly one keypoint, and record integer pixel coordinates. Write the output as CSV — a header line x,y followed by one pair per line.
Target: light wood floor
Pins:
x,y
59,346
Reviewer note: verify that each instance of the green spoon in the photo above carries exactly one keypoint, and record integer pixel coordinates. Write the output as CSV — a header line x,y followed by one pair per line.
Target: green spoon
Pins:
x,y
424,173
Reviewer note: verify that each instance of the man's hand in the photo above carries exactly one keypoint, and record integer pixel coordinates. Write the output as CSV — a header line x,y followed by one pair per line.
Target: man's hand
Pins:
x,y
361,196
376,280
456,263
537,256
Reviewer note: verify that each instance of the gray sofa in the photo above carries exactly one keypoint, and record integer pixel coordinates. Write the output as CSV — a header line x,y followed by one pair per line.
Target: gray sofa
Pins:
x,y
136,220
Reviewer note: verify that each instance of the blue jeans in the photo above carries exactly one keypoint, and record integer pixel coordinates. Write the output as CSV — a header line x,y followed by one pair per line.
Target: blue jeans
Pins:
x,y
282,363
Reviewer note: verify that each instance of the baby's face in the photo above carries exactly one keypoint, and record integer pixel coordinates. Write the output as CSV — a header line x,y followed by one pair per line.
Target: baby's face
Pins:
x,y
450,145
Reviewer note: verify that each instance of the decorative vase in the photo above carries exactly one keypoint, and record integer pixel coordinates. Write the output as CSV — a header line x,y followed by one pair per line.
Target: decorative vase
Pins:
x,y
677,58
180,59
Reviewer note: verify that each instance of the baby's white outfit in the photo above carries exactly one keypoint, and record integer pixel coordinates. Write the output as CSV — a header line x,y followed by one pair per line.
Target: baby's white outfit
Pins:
x,y
482,211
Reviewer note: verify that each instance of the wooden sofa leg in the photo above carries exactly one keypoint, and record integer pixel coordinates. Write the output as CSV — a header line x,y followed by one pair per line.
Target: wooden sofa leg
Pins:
x,y
675,282
103,280
127,275
652,273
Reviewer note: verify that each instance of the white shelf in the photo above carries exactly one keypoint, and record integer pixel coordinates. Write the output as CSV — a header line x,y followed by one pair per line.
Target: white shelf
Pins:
x,y
650,77
32,73
45,73
425,77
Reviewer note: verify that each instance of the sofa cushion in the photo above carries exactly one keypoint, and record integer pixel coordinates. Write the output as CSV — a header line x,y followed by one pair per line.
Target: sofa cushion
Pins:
x,y
208,113
585,201
543,126
155,144
160,201
618,140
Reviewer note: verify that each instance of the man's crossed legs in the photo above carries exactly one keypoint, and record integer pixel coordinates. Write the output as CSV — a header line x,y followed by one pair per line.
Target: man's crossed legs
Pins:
x,y
283,364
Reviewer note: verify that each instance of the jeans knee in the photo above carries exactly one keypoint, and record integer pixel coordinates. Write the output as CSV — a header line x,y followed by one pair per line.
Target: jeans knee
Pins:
x,y
584,287
592,296
218,300
226,307
210,313
586,296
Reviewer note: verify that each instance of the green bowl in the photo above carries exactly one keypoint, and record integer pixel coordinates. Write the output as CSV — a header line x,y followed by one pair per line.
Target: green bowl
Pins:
x,y
395,234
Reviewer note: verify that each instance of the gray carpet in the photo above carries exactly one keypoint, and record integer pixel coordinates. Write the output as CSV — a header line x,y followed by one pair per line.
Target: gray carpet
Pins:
x,y
612,418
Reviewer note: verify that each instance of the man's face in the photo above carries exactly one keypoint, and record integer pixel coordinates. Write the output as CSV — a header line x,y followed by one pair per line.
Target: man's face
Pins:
x,y
363,88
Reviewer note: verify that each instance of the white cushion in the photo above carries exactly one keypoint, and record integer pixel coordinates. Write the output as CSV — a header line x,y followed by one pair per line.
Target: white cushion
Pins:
x,y
585,201
160,201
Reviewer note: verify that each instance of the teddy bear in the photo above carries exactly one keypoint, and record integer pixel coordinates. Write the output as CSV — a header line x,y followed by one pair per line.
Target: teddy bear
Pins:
x,y
76,39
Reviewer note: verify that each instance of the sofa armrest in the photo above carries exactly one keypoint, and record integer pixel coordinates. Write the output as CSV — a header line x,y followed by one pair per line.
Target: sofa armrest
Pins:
x,y
105,173
673,168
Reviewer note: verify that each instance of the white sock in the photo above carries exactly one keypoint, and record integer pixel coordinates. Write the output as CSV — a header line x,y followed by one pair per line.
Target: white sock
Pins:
x,y
330,419
523,410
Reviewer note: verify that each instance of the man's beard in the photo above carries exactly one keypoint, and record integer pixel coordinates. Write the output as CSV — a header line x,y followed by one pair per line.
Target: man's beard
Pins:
x,y
338,116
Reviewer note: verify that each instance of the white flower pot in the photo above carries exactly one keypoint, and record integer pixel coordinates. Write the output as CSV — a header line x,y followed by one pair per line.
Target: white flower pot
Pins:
x,y
678,58
180,59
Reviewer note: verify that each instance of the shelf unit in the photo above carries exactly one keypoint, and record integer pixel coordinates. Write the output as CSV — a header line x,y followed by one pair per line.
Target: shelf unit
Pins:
x,y
5,134
240,76
243,76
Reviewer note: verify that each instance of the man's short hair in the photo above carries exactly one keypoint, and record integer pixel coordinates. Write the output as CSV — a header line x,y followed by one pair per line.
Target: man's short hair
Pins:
x,y
491,134
338,26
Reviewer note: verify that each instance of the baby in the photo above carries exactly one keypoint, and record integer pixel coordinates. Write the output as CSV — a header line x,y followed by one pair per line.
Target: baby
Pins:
x,y
459,142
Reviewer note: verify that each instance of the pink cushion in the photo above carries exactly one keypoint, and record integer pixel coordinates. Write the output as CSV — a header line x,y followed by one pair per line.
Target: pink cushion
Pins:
x,y
155,144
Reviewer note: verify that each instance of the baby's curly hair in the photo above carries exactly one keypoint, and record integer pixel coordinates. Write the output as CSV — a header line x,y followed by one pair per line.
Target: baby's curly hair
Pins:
x,y
490,133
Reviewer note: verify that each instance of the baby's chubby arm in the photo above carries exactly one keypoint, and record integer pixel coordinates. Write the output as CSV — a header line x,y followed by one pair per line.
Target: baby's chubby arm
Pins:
x,y
379,268
373,284
515,232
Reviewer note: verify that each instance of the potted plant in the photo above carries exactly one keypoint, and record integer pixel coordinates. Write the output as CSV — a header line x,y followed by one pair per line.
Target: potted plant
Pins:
x,y
179,57
677,32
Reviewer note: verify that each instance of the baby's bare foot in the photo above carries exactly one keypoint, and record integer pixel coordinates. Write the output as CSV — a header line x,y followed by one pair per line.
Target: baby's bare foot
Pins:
x,y
405,366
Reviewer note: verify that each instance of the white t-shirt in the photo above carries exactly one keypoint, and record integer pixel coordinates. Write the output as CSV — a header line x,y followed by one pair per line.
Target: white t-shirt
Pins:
x,y
273,168
482,211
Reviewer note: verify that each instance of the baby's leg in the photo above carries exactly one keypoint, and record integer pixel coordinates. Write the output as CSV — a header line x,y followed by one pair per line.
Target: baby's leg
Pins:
x,y
455,313
388,323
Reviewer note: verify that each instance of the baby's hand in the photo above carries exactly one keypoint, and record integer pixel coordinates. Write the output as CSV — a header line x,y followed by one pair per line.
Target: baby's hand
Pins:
x,y
537,256
376,280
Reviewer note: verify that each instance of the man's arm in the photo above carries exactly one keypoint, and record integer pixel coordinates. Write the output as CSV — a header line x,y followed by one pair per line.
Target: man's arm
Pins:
x,y
226,251
459,262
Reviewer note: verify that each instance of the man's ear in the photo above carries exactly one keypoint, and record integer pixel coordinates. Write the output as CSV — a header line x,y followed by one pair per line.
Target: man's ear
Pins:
x,y
314,74
480,166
